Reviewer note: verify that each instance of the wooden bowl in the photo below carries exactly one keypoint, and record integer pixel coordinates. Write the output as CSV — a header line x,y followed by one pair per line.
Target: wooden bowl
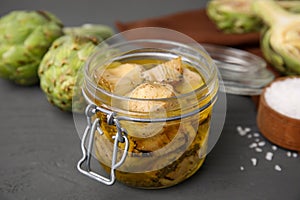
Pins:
x,y
280,129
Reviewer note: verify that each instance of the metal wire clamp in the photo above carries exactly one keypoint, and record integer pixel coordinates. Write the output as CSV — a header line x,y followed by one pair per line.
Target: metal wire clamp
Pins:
x,y
92,127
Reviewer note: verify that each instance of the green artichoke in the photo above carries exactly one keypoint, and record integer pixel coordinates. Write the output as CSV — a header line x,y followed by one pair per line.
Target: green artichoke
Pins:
x,y
280,40
59,67
25,36
236,16
100,31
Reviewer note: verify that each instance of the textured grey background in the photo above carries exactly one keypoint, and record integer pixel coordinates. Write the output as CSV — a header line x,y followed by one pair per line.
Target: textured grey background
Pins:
x,y
39,146
76,12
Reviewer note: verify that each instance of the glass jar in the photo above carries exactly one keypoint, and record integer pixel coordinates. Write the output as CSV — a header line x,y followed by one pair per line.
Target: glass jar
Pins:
x,y
165,142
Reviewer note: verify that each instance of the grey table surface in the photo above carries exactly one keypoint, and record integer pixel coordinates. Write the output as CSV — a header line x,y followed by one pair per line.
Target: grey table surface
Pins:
x,y
39,145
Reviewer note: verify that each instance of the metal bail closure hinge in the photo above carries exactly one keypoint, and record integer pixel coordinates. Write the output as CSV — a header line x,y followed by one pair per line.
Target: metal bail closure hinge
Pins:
x,y
92,127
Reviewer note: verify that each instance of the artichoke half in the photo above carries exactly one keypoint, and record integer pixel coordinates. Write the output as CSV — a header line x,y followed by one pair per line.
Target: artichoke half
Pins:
x,y
280,40
25,36
236,16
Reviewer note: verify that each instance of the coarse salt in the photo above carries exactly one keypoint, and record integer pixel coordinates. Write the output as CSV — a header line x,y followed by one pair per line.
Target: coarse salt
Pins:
x,y
274,147
247,129
277,168
257,149
240,131
289,154
256,134
269,156
254,161
262,143
295,155
283,96
243,132
242,168
253,145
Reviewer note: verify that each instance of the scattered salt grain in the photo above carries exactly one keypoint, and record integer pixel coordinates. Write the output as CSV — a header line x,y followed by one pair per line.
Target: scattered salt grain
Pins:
x,y
295,155
269,156
239,128
247,129
277,168
253,145
258,144
254,161
256,134
262,143
274,147
241,131
283,96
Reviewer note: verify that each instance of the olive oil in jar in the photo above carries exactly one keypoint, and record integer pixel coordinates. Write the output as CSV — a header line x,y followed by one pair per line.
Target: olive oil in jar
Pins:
x,y
161,153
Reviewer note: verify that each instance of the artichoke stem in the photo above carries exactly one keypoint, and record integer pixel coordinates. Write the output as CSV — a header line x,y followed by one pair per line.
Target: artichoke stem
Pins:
x,y
271,12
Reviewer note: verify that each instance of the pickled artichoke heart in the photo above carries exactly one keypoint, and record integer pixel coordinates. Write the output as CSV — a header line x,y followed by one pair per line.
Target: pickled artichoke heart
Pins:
x,y
169,72
173,72
120,78
176,156
280,42
151,91
146,87
100,31
168,145
236,16
160,153
59,67
25,36
191,81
